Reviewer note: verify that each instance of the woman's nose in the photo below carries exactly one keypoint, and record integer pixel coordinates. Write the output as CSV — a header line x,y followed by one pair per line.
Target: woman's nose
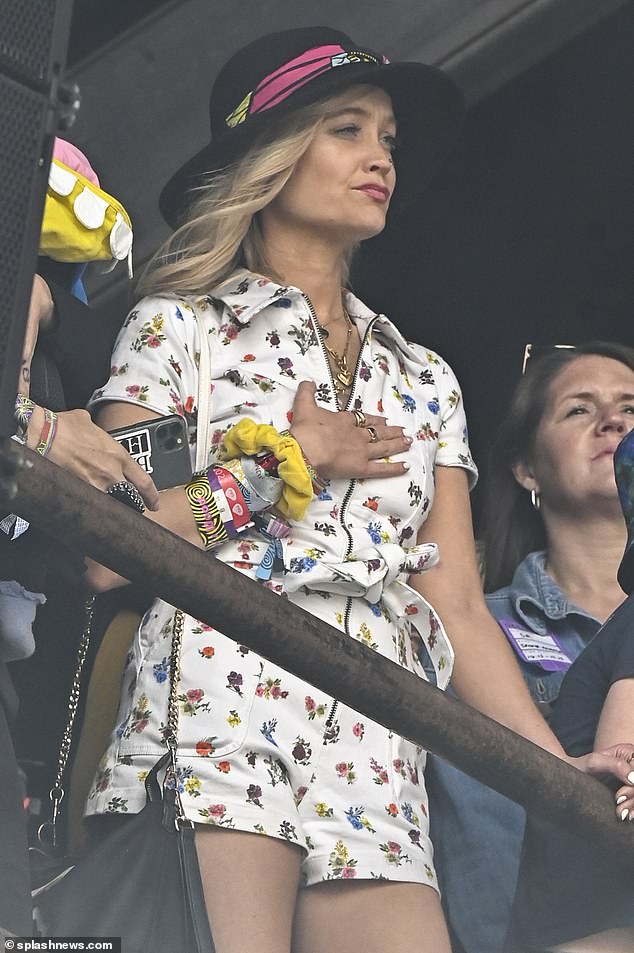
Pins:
x,y
613,418
381,159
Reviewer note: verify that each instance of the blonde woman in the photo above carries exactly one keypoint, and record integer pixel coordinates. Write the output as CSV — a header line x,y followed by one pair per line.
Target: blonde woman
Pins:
x,y
311,819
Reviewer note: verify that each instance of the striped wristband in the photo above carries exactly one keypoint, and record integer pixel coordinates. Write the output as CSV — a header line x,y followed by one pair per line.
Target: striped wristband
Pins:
x,y
48,432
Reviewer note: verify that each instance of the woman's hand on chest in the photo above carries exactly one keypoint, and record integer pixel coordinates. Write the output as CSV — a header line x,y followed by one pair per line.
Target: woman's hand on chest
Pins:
x,y
345,445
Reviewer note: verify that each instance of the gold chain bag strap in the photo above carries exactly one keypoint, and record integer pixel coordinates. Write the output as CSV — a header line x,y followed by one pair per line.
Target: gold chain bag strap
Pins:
x,y
47,833
142,881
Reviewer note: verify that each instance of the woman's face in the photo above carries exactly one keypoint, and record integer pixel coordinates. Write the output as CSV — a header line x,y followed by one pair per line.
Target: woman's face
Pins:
x,y
589,409
342,185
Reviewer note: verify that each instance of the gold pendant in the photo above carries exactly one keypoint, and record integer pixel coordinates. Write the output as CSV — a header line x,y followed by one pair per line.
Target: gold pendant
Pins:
x,y
345,378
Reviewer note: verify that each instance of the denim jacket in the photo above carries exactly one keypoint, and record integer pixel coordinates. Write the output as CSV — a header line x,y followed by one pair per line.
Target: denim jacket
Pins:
x,y
477,833
535,602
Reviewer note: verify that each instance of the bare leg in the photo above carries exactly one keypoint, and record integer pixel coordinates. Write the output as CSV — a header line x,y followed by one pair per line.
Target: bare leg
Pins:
x,y
250,884
369,916
610,941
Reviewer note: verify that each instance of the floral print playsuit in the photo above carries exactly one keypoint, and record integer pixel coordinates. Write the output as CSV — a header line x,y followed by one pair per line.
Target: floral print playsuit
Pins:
x,y
259,749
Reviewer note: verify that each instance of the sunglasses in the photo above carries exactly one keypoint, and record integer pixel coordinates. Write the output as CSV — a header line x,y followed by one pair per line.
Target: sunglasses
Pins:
x,y
536,350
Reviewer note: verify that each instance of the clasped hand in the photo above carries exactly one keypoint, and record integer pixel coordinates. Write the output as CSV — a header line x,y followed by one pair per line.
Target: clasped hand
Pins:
x,y
615,762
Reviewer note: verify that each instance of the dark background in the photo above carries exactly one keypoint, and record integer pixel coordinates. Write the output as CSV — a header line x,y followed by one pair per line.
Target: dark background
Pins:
x,y
528,234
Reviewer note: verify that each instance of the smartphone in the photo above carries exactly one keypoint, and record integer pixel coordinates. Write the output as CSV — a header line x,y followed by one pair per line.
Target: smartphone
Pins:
x,y
160,446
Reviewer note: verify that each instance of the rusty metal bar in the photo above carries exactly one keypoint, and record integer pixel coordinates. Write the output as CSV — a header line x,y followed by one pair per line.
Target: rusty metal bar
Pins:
x,y
122,539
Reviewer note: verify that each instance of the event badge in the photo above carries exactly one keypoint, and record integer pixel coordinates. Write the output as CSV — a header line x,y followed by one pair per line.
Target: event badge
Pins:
x,y
542,650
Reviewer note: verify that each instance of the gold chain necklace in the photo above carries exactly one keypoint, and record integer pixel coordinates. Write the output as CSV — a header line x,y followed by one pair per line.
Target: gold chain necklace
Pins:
x,y
345,375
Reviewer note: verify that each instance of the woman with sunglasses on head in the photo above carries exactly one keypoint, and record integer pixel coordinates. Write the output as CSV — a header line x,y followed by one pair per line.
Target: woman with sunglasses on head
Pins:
x,y
553,536
571,897
345,515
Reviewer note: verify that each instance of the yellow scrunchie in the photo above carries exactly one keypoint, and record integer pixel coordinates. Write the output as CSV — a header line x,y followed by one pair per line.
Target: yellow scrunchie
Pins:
x,y
248,438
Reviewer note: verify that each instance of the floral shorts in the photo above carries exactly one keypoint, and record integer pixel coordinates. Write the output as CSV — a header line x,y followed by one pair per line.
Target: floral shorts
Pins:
x,y
262,751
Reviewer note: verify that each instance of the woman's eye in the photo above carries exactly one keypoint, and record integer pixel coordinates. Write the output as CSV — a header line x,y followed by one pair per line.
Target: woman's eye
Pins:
x,y
628,409
389,141
350,130
579,409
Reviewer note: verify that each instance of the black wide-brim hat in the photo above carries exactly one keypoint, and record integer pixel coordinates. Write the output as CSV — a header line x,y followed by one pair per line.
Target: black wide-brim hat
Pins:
x,y
279,73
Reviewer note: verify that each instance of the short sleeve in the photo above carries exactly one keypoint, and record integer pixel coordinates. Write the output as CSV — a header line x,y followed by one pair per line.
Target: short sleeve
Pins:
x,y
616,643
453,440
155,359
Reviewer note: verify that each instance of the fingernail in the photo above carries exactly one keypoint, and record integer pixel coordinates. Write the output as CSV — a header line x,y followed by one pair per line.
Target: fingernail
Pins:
x,y
406,467
630,777
620,800
625,814
408,440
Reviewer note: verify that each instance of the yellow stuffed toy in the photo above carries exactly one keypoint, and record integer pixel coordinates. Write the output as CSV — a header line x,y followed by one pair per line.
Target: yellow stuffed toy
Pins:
x,y
82,222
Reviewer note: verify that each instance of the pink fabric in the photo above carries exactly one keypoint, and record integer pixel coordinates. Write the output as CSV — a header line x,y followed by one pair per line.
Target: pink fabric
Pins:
x,y
289,77
75,159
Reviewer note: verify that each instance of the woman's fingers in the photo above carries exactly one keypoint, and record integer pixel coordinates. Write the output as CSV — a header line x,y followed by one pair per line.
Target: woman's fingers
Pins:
x,y
346,444
381,436
625,803
92,454
304,405
141,480
615,762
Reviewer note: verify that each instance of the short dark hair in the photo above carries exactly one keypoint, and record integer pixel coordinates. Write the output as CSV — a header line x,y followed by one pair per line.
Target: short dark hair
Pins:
x,y
511,527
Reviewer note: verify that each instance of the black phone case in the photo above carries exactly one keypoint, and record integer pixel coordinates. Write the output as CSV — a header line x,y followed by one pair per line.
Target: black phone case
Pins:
x,y
160,447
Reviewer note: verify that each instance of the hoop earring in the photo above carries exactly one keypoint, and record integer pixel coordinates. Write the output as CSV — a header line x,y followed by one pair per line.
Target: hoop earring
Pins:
x,y
535,500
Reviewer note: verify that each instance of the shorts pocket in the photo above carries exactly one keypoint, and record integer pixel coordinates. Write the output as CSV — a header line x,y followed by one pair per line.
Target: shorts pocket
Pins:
x,y
216,691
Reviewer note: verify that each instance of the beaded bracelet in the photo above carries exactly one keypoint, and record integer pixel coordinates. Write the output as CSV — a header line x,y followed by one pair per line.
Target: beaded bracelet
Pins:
x,y
23,411
48,432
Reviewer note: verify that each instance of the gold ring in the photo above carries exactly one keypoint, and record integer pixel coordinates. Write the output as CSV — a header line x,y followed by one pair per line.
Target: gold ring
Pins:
x,y
359,418
374,437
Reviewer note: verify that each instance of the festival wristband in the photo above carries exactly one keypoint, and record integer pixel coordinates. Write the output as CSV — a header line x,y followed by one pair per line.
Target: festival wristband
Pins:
x,y
274,530
268,462
264,490
209,523
254,500
48,432
222,503
234,497
23,411
249,438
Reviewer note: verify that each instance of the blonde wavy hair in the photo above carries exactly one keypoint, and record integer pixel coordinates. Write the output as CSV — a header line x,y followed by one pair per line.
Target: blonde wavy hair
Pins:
x,y
222,233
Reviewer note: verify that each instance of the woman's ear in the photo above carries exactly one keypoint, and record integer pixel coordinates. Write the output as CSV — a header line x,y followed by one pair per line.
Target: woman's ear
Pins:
x,y
523,473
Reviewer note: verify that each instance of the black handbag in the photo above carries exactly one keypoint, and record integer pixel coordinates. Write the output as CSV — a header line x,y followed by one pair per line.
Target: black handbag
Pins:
x,y
142,881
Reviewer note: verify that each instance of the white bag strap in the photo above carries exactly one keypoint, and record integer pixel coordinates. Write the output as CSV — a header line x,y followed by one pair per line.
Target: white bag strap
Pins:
x,y
204,393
